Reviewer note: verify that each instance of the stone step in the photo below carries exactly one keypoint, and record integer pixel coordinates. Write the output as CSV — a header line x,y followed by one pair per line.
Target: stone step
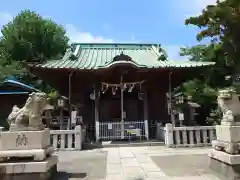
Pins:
x,y
131,143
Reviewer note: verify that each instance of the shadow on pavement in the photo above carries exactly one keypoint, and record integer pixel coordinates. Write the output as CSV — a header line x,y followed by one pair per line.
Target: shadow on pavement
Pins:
x,y
83,165
184,165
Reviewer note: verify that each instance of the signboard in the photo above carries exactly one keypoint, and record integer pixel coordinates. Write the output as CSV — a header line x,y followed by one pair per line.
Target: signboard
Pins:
x,y
109,126
181,116
130,126
74,117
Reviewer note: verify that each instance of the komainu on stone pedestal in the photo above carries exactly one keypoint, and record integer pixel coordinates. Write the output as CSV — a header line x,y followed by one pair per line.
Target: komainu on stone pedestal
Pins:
x,y
29,117
26,151
229,104
225,157
228,132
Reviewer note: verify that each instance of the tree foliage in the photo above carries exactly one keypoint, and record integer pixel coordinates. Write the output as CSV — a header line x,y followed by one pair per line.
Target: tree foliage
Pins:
x,y
7,66
220,23
163,54
30,38
204,90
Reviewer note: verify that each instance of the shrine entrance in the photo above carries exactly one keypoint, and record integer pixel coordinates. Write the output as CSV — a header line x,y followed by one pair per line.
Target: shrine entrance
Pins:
x,y
121,111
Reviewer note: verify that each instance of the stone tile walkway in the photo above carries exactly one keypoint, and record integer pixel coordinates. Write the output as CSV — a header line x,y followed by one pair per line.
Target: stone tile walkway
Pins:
x,y
152,163
136,163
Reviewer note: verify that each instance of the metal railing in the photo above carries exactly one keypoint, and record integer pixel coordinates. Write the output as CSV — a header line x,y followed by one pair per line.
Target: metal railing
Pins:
x,y
112,130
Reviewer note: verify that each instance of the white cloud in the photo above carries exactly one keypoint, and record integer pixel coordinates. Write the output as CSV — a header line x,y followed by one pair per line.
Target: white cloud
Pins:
x,y
72,32
86,37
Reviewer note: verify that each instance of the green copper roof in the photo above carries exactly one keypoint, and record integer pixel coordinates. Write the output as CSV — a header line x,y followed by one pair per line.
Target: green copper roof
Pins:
x,y
97,56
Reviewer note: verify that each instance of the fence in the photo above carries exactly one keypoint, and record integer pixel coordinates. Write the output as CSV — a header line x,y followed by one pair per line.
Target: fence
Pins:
x,y
113,130
186,136
68,139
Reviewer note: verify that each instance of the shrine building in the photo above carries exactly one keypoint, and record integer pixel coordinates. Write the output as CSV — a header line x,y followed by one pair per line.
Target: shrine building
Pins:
x,y
117,86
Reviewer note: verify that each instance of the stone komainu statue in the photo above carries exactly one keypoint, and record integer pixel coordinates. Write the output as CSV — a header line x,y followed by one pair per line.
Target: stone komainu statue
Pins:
x,y
224,97
228,101
29,117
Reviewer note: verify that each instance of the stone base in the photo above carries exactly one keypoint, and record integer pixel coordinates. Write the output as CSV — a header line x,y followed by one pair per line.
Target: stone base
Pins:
x,y
228,133
228,147
36,154
23,140
225,164
29,170
14,127
226,123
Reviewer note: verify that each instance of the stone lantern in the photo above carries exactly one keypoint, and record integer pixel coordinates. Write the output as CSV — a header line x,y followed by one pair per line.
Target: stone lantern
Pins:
x,y
48,114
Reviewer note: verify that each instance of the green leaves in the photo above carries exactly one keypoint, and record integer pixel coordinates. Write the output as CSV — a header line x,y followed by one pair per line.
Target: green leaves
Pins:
x,y
221,23
30,38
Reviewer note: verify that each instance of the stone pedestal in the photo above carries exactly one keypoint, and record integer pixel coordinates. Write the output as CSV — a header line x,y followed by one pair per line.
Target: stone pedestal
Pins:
x,y
26,155
225,158
228,139
225,164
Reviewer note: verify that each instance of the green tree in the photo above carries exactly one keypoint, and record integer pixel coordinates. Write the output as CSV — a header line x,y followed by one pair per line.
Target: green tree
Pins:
x,y
7,66
30,38
214,53
221,23
204,89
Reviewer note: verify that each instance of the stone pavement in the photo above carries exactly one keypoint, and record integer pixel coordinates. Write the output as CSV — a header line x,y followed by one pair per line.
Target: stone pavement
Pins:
x,y
81,165
135,163
152,163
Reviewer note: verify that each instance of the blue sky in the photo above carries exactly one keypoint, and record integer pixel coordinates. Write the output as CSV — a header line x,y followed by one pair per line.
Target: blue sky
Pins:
x,y
146,21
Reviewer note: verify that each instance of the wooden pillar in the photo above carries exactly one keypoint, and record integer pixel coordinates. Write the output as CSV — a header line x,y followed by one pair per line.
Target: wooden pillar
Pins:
x,y
170,94
69,100
122,109
96,111
145,106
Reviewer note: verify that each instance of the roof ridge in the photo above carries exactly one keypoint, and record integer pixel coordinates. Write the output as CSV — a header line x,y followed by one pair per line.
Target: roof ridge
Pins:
x,y
114,45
